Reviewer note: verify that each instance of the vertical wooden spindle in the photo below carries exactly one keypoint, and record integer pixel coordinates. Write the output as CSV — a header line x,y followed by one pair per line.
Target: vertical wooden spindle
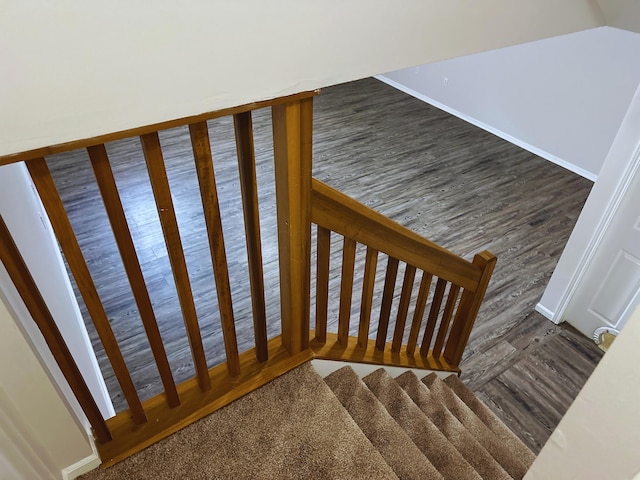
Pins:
x,y
322,283
452,297
368,284
403,308
292,130
122,234
434,313
249,190
69,244
208,193
160,186
421,302
387,301
28,290
346,289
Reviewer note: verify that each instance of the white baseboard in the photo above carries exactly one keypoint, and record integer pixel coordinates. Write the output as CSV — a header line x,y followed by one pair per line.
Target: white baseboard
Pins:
x,y
327,367
544,311
499,133
83,466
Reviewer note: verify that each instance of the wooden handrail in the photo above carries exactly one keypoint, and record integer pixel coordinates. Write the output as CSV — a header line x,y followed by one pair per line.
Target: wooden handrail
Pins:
x,y
142,130
460,285
339,213
450,317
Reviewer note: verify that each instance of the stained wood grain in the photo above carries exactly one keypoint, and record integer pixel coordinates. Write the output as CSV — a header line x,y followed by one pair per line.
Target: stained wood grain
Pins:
x,y
387,300
344,215
346,289
403,307
292,143
75,259
368,283
322,282
443,328
211,208
164,203
371,354
418,314
115,212
434,313
249,190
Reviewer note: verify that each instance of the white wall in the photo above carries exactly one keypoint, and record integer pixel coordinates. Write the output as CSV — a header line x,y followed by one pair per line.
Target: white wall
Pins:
x,y
76,69
598,437
595,217
24,215
562,98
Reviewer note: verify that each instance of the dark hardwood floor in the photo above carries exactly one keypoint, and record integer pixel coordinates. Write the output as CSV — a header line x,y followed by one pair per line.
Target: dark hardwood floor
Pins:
x,y
457,185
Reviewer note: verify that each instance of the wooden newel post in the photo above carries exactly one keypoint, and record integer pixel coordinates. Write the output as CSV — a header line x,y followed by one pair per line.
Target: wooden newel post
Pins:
x,y
292,134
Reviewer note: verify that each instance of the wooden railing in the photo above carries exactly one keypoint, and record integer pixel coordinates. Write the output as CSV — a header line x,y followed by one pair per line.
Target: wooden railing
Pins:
x,y
300,200
179,404
458,289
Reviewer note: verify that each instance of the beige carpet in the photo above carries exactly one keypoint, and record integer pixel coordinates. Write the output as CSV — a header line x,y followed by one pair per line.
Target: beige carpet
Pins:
x,y
299,427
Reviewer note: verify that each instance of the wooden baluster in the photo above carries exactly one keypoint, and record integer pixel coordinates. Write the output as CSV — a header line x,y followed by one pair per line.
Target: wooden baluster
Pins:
x,y
346,289
164,203
322,283
421,302
208,193
468,309
69,244
387,300
434,313
368,283
122,234
28,290
446,318
403,308
292,130
249,190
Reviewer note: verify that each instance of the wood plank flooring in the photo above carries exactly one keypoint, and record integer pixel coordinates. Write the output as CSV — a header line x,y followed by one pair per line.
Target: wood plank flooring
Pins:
x,y
449,181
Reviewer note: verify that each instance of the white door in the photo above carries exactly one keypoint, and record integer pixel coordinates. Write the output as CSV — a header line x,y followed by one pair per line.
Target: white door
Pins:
x,y
610,288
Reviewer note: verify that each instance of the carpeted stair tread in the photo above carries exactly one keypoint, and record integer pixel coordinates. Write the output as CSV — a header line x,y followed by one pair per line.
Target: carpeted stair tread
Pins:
x,y
463,403
419,428
490,419
509,460
294,427
399,451
470,448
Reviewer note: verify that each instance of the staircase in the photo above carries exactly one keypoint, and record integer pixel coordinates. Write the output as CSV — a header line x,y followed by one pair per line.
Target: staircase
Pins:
x,y
303,426
362,311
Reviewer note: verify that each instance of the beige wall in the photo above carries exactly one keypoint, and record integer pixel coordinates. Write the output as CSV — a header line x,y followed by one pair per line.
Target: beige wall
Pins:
x,y
623,14
39,432
599,437
86,68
